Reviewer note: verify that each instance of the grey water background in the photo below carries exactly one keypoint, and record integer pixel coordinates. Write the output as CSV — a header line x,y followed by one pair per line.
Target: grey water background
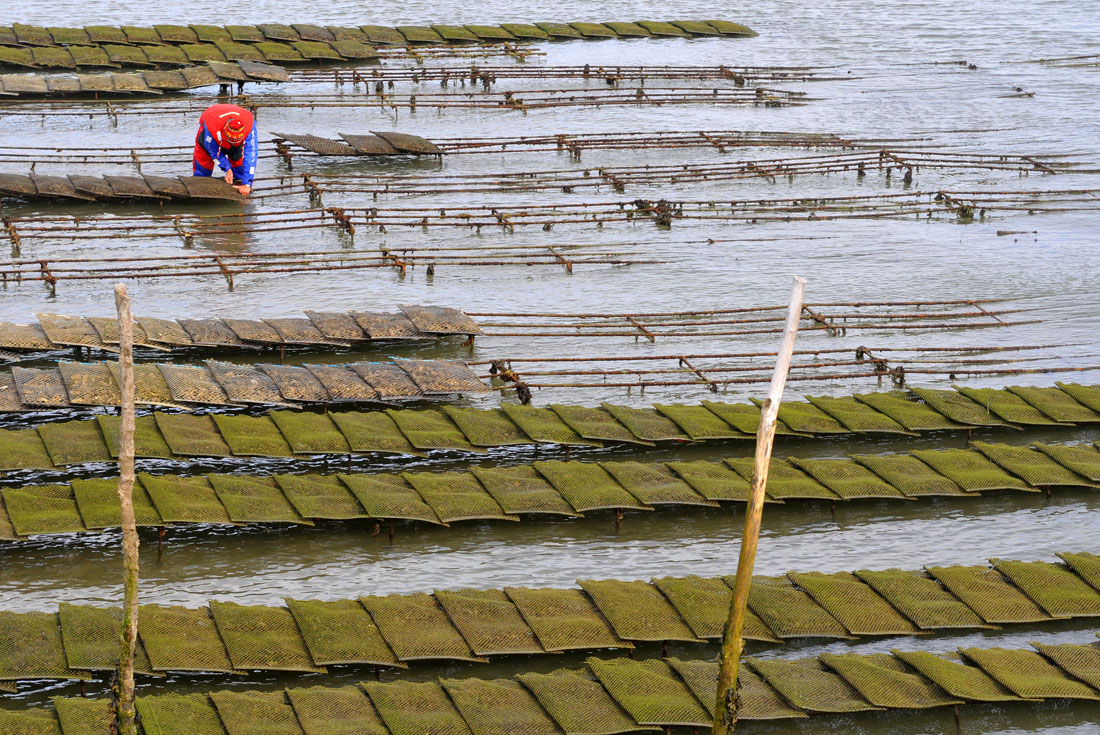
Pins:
x,y
900,80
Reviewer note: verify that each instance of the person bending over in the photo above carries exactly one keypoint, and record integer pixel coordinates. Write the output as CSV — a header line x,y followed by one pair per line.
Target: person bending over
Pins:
x,y
227,135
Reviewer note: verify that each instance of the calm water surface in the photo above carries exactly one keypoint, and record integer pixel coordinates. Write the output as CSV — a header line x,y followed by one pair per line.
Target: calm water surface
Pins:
x,y
898,79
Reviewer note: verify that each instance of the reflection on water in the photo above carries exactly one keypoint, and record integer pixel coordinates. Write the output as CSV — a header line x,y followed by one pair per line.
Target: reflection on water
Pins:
x,y
339,560
230,237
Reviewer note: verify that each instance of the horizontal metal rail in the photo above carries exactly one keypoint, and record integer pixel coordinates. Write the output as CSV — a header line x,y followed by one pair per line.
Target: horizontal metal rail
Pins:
x,y
960,204
617,178
574,143
487,74
471,100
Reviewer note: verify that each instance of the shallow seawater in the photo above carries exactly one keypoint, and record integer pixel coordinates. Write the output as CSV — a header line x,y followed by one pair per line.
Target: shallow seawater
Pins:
x,y
897,76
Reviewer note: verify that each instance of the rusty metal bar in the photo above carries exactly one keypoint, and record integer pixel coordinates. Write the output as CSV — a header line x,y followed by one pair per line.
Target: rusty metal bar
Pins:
x,y
819,351
485,100
955,366
316,267
345,253
740,310
487,74
828,325
744,332
618,178
721,139
726,382
710,383
977,204
519,52
645,332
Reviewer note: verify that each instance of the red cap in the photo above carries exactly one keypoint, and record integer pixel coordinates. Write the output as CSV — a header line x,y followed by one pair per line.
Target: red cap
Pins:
x,y
235,131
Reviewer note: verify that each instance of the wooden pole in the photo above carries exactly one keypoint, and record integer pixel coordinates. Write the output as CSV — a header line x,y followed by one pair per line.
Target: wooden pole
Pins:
x,y
725,711
127,724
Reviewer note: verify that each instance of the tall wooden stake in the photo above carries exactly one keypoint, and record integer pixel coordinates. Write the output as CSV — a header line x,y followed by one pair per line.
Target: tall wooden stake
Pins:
x,y
127,724
725,711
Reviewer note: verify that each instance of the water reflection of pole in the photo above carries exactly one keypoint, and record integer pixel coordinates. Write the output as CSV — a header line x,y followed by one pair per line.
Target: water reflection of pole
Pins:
x,y
725,712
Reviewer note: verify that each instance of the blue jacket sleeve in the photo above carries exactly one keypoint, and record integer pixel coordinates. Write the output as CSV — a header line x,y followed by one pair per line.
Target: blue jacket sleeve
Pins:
x,y
214,150
246,172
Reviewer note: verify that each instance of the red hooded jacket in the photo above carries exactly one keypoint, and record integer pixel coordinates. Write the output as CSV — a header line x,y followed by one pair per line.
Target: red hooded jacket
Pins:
x,y
216,117
212,147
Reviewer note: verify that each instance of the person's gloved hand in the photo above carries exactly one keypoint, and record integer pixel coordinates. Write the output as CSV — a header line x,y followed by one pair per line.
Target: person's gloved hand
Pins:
x,y
244,189
229,177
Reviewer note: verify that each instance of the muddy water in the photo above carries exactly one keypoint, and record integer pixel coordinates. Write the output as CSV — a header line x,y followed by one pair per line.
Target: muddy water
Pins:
x,y
898,79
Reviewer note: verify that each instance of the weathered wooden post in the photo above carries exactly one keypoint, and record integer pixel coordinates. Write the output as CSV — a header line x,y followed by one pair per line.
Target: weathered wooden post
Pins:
x,y
725,711
127,723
